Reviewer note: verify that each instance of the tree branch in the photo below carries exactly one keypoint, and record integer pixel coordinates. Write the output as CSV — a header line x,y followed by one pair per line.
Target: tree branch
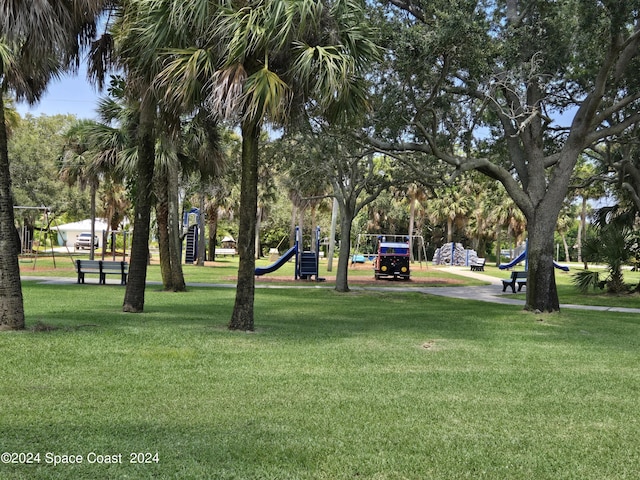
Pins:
x,y
616,129
409,7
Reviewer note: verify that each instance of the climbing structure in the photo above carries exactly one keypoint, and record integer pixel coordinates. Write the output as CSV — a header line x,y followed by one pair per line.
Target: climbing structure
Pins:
x,y
307,261
190,223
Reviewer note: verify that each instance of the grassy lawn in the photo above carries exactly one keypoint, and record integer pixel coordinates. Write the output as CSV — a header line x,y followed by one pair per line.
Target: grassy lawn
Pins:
x,y
225,270
358,386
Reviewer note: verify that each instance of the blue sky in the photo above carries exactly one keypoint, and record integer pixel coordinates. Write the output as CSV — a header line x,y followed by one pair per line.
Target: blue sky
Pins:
x,y
70,94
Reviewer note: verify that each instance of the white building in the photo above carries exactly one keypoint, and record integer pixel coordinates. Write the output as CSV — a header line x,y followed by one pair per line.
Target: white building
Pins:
x,y
68,232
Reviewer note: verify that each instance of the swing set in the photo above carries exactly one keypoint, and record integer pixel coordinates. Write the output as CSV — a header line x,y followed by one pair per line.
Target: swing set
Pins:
x,y
35,241
31,238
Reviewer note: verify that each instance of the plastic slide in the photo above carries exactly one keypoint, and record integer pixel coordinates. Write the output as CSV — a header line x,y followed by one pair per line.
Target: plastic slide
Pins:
x,y
564,268
278,263
514,262
522,256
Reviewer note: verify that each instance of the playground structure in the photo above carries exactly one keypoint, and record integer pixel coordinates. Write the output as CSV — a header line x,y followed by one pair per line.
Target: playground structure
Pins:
x,y
523,256
454,254
392,260
306,261
29,243
367,246
190,223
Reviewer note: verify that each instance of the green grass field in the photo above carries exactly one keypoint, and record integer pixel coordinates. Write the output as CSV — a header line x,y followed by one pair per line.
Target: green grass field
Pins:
x,y
225,271
330,386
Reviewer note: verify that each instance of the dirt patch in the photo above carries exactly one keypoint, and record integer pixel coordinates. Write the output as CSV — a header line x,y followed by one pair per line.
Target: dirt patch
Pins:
x,y
361,280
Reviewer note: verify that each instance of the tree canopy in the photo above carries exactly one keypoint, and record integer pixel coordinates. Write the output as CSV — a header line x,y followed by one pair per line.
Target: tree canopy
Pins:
x,y
494,82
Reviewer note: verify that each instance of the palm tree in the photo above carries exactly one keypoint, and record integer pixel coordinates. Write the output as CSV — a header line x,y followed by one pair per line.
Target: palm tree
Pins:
x,y
588,190
90,156
615,243
452,206
416,194
38,40
506,213
566,221
127,47
254,62
202,154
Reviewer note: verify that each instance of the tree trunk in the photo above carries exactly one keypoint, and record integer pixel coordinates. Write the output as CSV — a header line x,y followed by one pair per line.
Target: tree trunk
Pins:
x,y
162,218
582,229
213,231
202,244
175,245
257,234
11,302
347,216
412,217
242,316
332,234
94,192
134,294
292,225
542,293
567,255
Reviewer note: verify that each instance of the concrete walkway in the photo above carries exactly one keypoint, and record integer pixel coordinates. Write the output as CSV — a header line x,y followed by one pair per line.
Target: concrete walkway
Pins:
x,y
486,293
493,293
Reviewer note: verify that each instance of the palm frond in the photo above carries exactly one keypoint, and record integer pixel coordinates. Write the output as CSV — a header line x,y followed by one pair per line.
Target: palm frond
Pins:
x,y
226,97
586,280
267,95
185,75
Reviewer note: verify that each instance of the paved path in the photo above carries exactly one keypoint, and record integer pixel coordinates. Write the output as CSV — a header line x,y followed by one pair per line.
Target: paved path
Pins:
x,y
493,293
487,293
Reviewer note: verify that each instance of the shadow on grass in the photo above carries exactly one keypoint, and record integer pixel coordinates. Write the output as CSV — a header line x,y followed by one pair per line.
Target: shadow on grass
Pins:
x,y
312,315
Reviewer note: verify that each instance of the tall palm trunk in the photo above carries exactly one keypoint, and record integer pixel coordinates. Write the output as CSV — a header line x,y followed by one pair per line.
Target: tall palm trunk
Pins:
x,y
212,220
94,193
412,218
582,229
162,218
257,247
202,245
175,247
134,295
242,316
11,302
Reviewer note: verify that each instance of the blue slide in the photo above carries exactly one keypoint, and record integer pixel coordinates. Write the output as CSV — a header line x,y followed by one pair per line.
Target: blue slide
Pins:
x,y
278,263
564,268
522,256
514,262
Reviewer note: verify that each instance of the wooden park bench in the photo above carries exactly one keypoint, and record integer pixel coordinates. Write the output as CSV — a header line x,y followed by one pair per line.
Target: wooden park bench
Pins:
x,y
516,277
102,268
478,265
